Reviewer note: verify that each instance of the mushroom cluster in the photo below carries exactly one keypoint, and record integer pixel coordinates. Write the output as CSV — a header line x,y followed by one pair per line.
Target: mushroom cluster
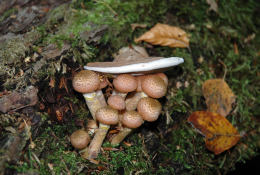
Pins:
x,y
137,85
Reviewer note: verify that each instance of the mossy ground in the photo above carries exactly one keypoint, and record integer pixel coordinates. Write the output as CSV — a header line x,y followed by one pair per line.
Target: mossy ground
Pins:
x,y
179,149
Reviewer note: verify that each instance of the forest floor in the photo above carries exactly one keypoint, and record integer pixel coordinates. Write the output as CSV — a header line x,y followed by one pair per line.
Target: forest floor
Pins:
x,y
44,43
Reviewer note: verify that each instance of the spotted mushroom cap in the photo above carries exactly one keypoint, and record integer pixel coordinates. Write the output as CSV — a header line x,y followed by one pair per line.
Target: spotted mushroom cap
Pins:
x,y
163,76
149,109
116,102
107,115
125,83
154,86
86,81
132,119
80,139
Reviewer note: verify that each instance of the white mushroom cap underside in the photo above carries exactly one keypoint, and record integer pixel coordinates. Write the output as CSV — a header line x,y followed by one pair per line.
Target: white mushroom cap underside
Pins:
x,y
140,66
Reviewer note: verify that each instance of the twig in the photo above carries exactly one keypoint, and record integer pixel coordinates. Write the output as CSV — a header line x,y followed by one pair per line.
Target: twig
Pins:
x,y
225,68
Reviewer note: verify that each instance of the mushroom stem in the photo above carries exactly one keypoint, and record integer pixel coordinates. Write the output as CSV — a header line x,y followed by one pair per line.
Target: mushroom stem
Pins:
x,y
132,101
106,117
115,92
95,100
95,145
131,120
121,136
131,105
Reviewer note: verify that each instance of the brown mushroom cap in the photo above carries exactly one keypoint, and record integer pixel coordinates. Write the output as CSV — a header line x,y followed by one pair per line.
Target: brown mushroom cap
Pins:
x,y
107,115
163,76
116,102
149,109
79,139
86,81
154,86
132,119
125,83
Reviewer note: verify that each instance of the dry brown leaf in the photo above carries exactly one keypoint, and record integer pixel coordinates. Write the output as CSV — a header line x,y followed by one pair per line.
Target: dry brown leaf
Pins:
x,y
219,97
165,35
219,133
52,82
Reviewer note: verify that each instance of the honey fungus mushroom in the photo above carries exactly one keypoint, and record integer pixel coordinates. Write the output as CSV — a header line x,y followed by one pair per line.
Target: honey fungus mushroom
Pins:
x,y
88,83
106,117
153,85
80,139
130,120
149,109
141,66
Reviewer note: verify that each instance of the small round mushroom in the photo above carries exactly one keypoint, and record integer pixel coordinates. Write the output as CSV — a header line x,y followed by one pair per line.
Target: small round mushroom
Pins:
x,y
154,86
163,77
132,101
125,83
149,109
131,120
106,117
88,82
80,139
116,102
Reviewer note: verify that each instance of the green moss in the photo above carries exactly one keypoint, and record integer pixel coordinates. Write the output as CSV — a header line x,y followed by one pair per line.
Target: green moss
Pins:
x,y
128,160
7,13
182,150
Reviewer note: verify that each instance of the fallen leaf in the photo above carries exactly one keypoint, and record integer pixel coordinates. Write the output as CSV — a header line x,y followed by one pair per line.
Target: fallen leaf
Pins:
x,y
165,35
219,133
63,84
219,97
213,5
52,82
52,50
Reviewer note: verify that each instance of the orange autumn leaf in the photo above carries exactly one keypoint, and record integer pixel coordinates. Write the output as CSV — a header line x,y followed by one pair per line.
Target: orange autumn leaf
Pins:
x,y
219,97
165,35
220,135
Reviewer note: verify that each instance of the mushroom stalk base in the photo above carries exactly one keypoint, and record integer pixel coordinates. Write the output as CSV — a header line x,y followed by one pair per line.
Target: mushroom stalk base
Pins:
x,y
95,100
96,143
121,136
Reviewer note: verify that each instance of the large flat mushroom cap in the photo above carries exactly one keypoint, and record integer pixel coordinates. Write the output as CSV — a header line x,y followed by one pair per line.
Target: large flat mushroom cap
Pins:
x,y
140,66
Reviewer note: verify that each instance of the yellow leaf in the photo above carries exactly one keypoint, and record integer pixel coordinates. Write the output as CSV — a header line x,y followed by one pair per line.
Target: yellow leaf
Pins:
x,y
219,97
165,35
219,133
